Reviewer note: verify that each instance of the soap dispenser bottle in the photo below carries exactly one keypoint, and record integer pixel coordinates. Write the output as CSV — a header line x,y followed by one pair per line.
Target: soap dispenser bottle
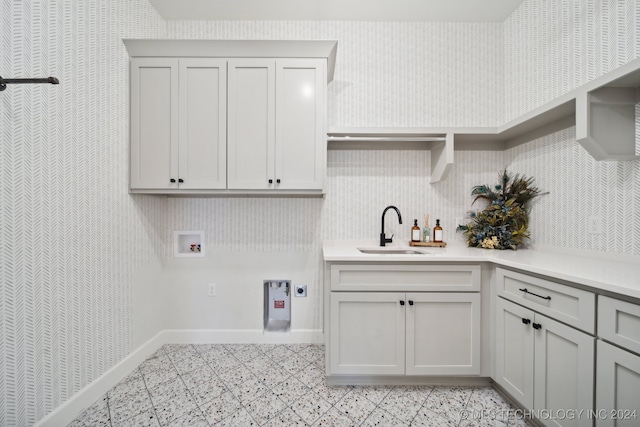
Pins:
x,y
437,232
415,231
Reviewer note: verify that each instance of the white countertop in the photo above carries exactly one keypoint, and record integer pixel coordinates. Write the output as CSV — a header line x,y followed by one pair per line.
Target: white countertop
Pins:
x,y
613,276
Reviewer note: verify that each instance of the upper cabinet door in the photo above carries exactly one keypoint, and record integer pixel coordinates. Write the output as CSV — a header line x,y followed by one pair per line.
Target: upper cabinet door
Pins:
x,y
300,117
203,124
154,123
251,118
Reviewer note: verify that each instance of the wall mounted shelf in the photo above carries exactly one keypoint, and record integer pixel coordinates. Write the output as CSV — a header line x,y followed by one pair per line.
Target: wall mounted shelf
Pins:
x,y
603,111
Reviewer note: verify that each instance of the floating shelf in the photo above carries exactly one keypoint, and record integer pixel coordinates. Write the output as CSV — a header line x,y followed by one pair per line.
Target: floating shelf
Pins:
x,y
603,111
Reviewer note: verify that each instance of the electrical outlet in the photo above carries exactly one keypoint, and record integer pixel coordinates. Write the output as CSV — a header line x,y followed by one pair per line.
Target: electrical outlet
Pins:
x,y
212,289
301,291
594,225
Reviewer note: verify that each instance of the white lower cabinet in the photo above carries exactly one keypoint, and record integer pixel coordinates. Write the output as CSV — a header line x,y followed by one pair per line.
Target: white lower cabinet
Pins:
x,y
396,333
544,364
618,387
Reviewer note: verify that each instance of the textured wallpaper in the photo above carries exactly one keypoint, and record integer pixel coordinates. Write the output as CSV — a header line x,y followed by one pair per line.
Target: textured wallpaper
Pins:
x,y
552,47
70,235
72,238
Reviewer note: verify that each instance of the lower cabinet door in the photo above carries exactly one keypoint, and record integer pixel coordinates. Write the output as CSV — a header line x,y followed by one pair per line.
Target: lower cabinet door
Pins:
x,y
514,351
564,366
618,387
443,334
367,333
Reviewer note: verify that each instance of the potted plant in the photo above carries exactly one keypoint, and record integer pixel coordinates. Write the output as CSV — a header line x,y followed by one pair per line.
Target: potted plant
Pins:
x,y
504,223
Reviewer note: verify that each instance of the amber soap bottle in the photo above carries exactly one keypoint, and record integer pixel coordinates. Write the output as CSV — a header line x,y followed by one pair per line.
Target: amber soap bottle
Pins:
x,y
415,232
437,232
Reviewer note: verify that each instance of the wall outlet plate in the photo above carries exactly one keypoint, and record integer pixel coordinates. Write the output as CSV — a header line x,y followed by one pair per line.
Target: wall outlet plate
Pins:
x,y
300,291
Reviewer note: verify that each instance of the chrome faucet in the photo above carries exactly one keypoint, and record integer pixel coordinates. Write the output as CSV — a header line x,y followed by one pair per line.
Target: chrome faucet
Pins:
x,y
383,238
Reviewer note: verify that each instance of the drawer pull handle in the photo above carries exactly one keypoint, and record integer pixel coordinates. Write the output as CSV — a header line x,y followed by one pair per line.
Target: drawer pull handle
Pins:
x,y
535,295
410,302
536,326
401,302
526,321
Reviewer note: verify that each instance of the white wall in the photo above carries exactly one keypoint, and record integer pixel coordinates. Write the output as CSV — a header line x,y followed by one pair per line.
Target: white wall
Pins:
x,y
74,246
80,258
552,47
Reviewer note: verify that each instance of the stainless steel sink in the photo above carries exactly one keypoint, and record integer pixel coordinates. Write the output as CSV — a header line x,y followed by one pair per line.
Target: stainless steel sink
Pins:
x,y
383,251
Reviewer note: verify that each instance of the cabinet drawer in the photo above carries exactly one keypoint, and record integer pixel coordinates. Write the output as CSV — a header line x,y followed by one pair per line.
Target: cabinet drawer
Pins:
x,y
619,322
394,277
572,306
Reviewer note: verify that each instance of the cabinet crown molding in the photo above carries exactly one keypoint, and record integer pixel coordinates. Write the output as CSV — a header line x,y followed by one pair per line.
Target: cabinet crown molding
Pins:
x,y
325,49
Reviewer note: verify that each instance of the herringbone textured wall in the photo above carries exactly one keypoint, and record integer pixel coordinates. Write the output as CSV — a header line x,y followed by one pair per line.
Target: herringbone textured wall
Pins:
x,y
70,235
552,47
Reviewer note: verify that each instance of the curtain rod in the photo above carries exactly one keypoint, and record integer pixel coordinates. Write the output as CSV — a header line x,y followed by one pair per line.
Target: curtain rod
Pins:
x,y
5,82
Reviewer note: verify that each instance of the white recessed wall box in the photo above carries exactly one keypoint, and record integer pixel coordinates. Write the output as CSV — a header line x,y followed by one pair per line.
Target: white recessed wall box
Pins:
x,y
188,243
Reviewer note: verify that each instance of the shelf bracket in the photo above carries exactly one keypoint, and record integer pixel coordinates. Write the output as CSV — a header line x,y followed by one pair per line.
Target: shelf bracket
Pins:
x,y
442,159
605,123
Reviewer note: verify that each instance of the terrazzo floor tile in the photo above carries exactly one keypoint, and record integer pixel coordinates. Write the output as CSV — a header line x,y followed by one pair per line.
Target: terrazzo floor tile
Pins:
x,y
374,394
194,418
220,407
401,406
356,406
290,390
334,418
265,407
381,418
429,418
249,390
277,385
170,390
171,409
145,418
310,407
286,418
207,391
331,394
237,419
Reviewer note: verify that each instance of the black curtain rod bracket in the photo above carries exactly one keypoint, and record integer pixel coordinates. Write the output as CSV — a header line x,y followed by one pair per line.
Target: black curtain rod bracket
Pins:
x,y
5,82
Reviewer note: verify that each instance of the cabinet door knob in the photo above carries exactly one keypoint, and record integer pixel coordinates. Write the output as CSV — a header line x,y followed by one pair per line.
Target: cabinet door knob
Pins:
x,y
172,180
270,181
278,181
536,326
180,180
410,302
526,321
401,302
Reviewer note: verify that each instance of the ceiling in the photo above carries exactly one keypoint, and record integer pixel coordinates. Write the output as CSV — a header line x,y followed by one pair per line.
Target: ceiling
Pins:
x,y
339,10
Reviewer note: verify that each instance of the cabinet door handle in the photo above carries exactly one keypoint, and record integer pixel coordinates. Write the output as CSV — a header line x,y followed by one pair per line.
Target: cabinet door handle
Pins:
x,y
278,181
270,181
180,180
410,302
401,302
535,295
526,321
172,180
536,326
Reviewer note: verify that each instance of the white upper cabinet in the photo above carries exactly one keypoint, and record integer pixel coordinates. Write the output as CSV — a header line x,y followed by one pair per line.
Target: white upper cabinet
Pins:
x,y
203,123
154,123
251,124
178,124
276,124
300,117
229,116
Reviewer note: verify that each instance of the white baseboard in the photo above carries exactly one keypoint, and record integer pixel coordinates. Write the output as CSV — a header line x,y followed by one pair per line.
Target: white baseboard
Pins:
x,y
84,398
70,409
245,336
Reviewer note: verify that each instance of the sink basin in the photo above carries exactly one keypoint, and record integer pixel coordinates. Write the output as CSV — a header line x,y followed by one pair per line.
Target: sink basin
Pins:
x,y
383,251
